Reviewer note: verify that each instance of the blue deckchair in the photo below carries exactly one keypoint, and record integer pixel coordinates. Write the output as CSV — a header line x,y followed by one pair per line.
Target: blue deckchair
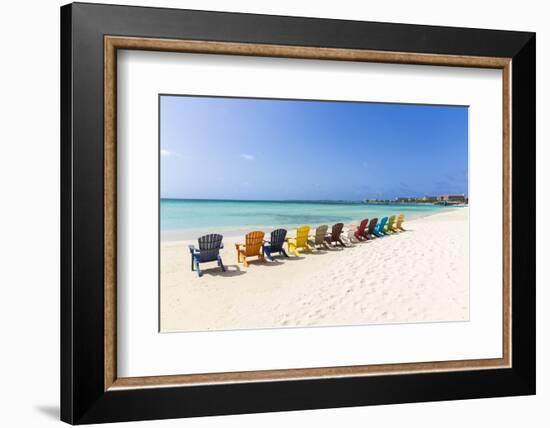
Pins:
x,y
379,229
208,251
275,244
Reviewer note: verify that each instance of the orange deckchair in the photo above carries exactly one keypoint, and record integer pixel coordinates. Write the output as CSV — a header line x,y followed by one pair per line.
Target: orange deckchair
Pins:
x,y
251,248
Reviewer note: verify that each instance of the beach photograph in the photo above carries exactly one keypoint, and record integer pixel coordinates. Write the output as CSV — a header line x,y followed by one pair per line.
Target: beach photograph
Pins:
x,y
282,213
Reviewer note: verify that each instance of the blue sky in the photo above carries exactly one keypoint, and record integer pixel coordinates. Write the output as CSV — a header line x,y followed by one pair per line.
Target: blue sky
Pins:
x,y
231,148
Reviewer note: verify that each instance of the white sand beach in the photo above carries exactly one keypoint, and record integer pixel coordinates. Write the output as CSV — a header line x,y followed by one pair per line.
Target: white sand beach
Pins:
x,y
420,275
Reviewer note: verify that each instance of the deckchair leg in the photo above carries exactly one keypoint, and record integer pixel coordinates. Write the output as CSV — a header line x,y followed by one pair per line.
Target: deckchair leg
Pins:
x,y
199,269
267,254
284,252
220,264
293,249
192,263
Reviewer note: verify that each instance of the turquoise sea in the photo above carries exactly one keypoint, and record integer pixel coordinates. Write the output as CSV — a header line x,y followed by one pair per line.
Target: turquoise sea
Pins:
x,y
189,219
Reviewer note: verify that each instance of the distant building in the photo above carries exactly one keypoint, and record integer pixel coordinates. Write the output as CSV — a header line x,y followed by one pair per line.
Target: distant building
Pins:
x,y
457,198
427,199
439,200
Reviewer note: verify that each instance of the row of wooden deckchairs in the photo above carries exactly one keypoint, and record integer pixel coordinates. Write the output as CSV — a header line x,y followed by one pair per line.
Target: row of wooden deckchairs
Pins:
x,y
373,229
256,246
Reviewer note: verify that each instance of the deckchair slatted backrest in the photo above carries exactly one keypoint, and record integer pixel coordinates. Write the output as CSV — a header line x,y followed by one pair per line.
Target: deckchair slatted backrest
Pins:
x,y
382,224
363,226
320,234
372,225
209,246
254,241
391,220
336,231
400,219
302,234
278,239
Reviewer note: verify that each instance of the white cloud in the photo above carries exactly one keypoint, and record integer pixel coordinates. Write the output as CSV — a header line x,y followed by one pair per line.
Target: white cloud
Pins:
x,y
247,157
166,153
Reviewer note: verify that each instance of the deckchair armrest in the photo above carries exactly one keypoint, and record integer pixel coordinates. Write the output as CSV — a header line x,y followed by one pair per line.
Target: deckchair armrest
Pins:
x,y
192,249
221,245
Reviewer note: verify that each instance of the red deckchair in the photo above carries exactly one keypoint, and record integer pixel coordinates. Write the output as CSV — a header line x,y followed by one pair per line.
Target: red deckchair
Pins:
x,y
360,232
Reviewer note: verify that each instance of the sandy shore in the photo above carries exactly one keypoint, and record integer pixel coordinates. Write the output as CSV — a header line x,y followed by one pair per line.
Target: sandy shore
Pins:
x,y
415,276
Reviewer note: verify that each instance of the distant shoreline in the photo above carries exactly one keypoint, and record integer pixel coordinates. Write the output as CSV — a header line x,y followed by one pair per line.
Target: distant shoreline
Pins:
x,y
307,201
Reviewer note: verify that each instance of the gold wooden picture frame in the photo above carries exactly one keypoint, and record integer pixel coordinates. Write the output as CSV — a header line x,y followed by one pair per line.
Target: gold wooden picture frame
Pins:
x,y
114,43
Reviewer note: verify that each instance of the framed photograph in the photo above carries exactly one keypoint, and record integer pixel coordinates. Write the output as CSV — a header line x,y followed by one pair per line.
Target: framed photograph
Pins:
x,y
265,213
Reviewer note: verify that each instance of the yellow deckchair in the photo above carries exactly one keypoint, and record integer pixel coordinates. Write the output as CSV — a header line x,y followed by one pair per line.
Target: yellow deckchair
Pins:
x,y
251,248
300,242
390,224
399,224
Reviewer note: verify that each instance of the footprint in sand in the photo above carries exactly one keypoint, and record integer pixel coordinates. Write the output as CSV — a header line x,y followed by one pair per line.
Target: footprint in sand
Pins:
x,y
386,315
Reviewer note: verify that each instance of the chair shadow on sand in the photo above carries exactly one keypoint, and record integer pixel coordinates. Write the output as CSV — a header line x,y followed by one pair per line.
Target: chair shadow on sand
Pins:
x,y
281,260
355,243
319,252
230,270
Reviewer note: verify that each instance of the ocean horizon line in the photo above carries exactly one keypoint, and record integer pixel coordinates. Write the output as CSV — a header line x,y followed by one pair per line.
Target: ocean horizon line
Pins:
x,y
324,201
264,200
